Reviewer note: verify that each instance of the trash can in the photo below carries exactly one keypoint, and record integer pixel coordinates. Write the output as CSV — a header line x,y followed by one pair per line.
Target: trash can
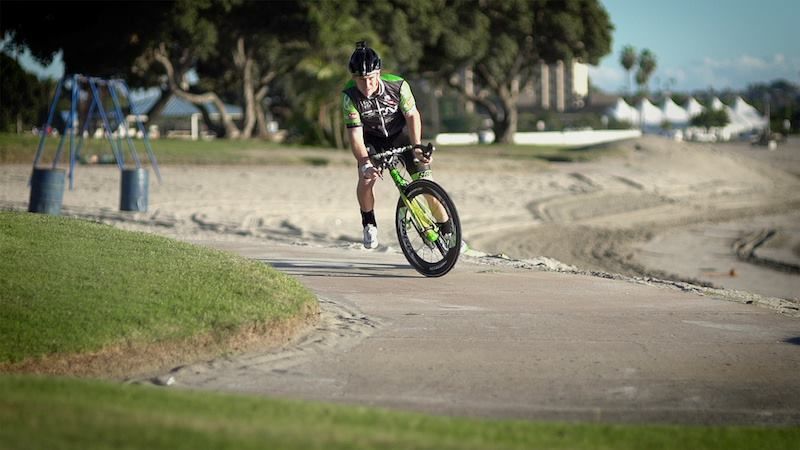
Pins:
x,y
133,192
47,191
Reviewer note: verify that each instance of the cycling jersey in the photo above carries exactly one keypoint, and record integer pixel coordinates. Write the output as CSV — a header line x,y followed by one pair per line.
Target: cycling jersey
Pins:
x,y
383,114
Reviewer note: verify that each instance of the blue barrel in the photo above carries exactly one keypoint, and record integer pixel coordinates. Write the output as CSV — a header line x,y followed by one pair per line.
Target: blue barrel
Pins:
x,y
47,191
134,190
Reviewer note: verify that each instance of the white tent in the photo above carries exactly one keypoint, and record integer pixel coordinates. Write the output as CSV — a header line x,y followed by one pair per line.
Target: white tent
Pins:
x,y
673,113
693,107
749,113
743,118
649,114
623,112
736,124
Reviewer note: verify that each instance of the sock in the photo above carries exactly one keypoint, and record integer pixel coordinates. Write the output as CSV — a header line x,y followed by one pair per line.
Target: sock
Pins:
x,y
368,218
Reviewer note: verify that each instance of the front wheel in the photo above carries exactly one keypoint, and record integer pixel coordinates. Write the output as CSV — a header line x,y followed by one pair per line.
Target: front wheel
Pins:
x,y
428,228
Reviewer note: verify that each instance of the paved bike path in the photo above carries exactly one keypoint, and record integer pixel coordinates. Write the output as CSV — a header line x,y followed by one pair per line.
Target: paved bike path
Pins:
x,y
495,341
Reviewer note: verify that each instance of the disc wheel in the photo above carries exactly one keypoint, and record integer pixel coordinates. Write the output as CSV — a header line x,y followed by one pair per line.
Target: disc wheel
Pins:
x,y
426,247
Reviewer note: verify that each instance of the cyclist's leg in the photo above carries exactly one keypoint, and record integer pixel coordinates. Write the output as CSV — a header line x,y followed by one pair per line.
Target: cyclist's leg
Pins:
x,y
418,170
364,188
366,198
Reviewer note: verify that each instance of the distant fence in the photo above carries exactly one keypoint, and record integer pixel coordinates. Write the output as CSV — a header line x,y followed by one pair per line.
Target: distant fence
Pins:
x,y
560,138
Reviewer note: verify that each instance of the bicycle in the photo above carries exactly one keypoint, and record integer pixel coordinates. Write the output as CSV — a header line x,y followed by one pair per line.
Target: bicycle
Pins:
x,y
426,219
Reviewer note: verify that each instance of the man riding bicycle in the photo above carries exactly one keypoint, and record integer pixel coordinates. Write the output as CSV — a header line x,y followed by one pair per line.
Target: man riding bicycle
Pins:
x,y
379,111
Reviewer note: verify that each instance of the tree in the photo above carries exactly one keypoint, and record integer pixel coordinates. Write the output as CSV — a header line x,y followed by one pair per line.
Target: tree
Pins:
x,y
188,36
710,118
258,44
233,46
23,98
319,76
504,41
783,98
104,39
647,65
96,38
628,59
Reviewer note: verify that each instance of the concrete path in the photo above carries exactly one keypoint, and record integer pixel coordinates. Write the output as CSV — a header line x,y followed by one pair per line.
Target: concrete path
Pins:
x,y
500,342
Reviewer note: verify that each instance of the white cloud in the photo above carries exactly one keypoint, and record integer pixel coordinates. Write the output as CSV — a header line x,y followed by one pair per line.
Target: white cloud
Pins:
x,y
719,73
751,62
740,71
608,78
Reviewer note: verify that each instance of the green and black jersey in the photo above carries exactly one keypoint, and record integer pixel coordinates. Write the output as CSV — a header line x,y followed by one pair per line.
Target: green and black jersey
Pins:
x,y
383,114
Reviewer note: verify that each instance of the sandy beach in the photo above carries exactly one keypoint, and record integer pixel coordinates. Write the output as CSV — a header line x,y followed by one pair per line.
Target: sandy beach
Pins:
x,y
722,216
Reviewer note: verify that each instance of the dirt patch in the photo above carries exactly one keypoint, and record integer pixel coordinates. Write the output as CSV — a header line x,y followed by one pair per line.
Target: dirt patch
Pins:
x,y
128,360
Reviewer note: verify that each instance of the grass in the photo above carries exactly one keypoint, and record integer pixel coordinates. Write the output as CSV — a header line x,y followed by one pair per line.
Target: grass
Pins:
x,y
77,414
21,149
70,286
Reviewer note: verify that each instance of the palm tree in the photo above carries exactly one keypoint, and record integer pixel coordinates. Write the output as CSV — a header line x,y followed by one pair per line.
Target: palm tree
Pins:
x,y
628,60
647,65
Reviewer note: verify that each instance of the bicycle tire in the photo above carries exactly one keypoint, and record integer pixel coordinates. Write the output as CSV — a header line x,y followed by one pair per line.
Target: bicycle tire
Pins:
x,y
430,258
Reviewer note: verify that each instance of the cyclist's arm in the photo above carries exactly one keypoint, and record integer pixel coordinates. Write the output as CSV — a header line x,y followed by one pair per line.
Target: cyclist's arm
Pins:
x,y
355,130
414,122
413,119
357,145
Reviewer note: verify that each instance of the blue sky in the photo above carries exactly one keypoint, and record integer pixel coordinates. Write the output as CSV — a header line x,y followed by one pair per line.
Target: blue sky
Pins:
x,y
698,43
704,43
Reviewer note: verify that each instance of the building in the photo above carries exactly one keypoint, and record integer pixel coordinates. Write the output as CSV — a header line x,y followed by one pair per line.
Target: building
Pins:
x,y
557,87
560,87
179,117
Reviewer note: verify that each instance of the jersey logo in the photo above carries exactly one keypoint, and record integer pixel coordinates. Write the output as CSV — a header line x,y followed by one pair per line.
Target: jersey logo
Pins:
x,y
369,109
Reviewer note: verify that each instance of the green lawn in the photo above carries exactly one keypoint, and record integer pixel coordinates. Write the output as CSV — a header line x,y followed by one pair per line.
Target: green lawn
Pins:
x,y
37,413
72,286
21,149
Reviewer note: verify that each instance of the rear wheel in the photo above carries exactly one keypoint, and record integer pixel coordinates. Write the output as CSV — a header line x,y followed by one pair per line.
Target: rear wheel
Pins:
x,y
430,247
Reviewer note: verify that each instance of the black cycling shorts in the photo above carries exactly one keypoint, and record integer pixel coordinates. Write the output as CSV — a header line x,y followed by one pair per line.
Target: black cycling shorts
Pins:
x,y
380,143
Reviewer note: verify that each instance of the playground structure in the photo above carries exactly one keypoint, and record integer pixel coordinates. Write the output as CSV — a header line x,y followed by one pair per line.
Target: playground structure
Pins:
x,y
47,183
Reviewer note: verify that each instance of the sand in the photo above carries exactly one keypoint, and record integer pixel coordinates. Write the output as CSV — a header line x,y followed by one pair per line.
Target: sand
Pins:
x,y
716,215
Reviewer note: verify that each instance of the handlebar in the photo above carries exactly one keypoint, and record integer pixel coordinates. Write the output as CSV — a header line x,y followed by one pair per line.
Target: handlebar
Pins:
x,y
386,156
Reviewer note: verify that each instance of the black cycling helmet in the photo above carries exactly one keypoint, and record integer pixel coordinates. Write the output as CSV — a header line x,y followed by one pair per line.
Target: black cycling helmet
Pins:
x,y
364,60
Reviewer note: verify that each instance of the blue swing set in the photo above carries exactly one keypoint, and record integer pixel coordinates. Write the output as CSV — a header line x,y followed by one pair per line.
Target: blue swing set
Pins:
x,y
45,182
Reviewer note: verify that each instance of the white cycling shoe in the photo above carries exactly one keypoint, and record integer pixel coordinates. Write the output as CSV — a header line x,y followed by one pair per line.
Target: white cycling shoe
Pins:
x,y
370,236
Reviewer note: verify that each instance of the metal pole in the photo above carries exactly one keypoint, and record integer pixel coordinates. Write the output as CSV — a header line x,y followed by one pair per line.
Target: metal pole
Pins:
x,y
73,118
121,120
117,154
43,133
89,117
68,127
147,146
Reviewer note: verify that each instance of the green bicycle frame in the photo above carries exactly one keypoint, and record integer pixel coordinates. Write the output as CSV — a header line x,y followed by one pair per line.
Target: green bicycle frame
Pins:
x,y
418,211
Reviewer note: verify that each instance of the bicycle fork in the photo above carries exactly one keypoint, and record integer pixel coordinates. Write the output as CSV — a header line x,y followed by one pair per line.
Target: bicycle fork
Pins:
x,y
420,219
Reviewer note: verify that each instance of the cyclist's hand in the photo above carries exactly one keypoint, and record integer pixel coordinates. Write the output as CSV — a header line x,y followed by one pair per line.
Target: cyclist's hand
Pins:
x,y
420,156
369,172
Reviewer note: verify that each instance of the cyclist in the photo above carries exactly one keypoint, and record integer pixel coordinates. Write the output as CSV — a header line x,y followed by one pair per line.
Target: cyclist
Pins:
x,y
379,111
